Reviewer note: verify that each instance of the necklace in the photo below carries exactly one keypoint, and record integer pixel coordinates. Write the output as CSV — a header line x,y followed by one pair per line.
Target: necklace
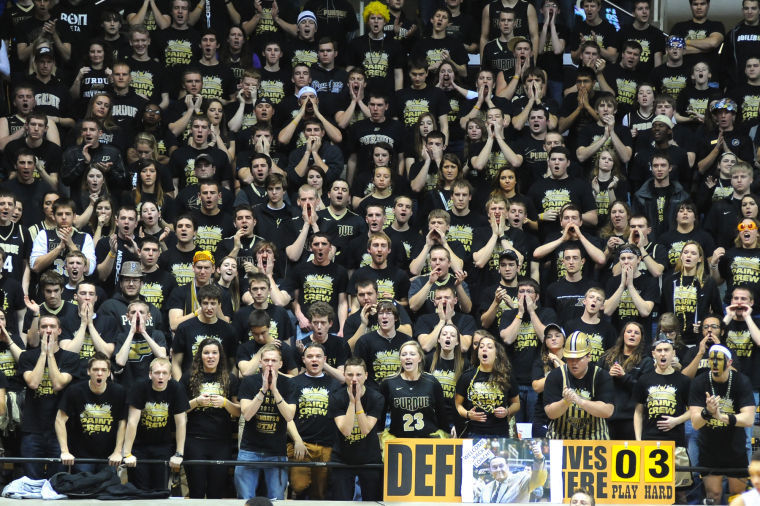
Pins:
x,y
373,60
728,390
682,294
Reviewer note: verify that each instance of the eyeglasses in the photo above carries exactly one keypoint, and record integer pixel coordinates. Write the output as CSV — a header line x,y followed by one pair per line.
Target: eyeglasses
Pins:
x,y
746,226
153,111
713,326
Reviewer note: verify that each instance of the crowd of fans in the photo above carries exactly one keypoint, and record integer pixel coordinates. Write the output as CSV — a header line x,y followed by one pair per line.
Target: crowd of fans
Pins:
x,y
235,229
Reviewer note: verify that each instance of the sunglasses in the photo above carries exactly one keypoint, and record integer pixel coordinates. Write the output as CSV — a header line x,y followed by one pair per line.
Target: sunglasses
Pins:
x,y
746,226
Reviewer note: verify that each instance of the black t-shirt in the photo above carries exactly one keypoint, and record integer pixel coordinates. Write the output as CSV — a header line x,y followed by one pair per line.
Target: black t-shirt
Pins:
x,y
624,83
179,264
379,58
445,373
718,442
212,229
550,194
380,354
481,393
341,230
11,300
312,398
9,368
357,448
662,395
210,422
412,103
743,349
626,310
275,85
266,431
601,336
525,348
673,241
741,266
604,34
218,81
566,297
147,77
390,280
190,333
93,418
177,48
319,283
690,30
157,286
336,350
576,423
40,405
417,408
670,80
158,410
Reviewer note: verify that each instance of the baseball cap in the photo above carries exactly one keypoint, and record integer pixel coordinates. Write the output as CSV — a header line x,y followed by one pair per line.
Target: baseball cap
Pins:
x,y
554,326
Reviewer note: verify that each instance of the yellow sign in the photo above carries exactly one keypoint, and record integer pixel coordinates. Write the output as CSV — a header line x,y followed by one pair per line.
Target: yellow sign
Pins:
x,y
423,470
622,472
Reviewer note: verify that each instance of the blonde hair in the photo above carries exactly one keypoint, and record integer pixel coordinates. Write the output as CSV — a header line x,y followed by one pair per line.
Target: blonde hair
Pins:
x,y
378,8
700,273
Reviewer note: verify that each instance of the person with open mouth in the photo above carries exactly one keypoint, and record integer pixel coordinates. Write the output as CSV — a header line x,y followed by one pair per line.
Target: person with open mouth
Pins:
x,y
722,406
447,363
96,410
662,407
414,399
487,395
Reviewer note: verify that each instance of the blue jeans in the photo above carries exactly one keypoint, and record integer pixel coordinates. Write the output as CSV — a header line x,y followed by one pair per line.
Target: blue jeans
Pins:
x,y
528,399
247,478
44,444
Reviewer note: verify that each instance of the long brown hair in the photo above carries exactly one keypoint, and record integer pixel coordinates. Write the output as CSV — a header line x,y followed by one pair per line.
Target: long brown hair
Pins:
x,y
616,353
222,373
502,367
458,356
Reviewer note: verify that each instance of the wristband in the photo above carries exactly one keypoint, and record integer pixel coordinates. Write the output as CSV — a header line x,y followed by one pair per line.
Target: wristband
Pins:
x,y
515,77
647,255
360,412
111,254
279,402
732,419
224,402
467,415
476,107
706,414
178,454
127,456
